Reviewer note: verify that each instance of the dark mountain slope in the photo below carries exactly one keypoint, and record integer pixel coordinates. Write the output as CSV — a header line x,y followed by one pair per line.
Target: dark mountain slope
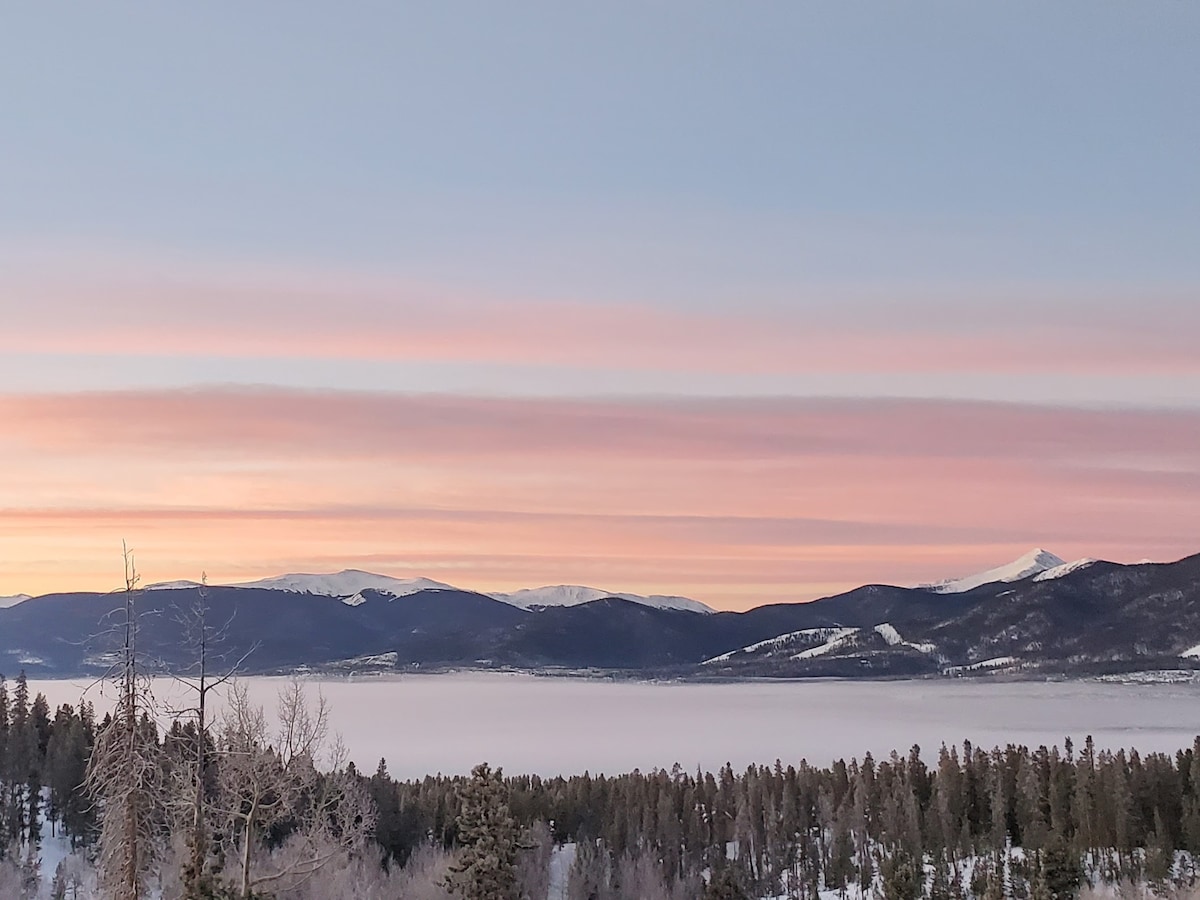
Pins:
x,y
438,627
862,607
1102,617
68,633
1104,612
609,633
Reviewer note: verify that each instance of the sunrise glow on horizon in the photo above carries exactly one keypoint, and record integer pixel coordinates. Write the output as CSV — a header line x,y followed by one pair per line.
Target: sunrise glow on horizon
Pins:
x,y
682,303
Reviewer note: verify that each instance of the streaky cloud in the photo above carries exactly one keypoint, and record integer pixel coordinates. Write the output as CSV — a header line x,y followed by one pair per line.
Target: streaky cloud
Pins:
x,y
731,500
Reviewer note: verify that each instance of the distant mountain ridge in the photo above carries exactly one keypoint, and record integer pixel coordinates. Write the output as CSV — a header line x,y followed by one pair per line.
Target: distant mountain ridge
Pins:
x,y
1038,619
574,595
353,585
345,584
349,586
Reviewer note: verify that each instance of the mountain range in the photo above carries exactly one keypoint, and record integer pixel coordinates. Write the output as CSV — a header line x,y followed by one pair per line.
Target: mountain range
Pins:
x,y
1038,616
349,586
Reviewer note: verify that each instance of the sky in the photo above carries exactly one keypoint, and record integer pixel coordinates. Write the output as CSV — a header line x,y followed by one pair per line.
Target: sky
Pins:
x,y
746,303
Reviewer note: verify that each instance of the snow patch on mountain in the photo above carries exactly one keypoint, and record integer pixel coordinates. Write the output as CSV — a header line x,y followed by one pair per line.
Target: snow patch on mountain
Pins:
x,y
840,639
1064,569
1032,563
576,594
346,583
173,585
6,602
821,634
890,635
1191,653
892,638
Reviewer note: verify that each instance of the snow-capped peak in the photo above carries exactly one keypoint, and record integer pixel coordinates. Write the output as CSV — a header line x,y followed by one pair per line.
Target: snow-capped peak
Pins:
x,y
1032,563
575,594
347,583
6,602
173,585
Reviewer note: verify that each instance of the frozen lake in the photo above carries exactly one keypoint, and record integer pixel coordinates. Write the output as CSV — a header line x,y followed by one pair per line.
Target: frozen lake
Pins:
x,y
447,723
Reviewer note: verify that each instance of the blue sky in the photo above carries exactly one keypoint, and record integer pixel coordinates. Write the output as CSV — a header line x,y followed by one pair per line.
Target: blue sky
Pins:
x,y
683,142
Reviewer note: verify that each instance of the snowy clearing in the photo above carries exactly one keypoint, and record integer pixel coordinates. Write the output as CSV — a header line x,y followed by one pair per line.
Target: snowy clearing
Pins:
x,y
821,634
893,639
839,639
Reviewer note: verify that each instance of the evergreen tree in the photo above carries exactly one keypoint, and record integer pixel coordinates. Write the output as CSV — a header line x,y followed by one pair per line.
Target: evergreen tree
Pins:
x,y
7,834
1060,869
488,835
1160,856
390,823
1038,890
939,884
994,884
65,771
840,871
20,765
902,877
726,884
590,872
29,874
1030,816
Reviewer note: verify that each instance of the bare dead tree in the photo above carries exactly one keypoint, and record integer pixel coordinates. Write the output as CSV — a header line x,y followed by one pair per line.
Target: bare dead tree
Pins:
x,y
123,773
192,777
265,783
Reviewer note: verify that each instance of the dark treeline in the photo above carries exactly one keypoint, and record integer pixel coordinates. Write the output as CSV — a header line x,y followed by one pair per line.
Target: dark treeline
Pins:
x,y
37,752
795,829
965,823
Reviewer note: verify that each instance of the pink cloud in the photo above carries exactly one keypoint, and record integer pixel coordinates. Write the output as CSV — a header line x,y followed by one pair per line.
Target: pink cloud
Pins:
x,y
263,313
361,424
735,501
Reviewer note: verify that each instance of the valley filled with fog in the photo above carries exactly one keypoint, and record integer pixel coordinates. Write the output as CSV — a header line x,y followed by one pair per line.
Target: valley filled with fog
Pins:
x,y
424,724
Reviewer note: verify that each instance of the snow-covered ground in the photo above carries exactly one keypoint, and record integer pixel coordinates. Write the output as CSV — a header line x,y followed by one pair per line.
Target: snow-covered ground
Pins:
x,y
560,871
447,723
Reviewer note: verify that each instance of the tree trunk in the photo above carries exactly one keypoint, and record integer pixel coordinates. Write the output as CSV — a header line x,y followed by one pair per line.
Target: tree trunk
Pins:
x,y
247,840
